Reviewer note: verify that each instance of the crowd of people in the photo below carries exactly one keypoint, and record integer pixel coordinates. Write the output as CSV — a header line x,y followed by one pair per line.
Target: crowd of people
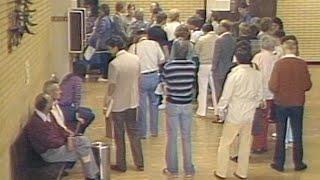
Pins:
x,y
250,67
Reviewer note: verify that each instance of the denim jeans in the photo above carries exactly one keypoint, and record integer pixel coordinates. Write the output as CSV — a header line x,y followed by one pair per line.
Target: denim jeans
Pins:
x,y
70,115
179,116
147,85
103,59
295,113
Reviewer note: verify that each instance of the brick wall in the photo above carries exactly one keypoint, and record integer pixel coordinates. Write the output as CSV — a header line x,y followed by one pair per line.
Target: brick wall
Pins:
x,y
187,8
16,94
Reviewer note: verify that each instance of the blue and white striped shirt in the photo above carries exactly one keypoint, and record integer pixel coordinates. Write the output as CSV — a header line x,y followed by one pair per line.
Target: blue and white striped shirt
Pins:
x,y
179,76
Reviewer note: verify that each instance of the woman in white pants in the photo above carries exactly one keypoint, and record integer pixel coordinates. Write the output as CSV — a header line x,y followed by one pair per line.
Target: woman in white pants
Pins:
x,y
204,48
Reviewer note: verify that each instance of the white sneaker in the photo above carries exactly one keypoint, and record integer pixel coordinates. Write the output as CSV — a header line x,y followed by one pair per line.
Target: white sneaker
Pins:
x,y
168,173
100,79
162,106
288,145
211,107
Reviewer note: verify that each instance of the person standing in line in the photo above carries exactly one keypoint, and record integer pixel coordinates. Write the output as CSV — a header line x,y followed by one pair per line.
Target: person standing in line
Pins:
x,y
242,94
172,25
222,58
289,99
124,73
151,58
265,27
157,33
179,78
155,9
265,61
136,26
204,49
119,21
129,18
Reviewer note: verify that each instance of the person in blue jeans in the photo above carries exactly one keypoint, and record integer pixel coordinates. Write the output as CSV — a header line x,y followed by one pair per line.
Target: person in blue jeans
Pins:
x,y
289,100
151,58
102,31
179,77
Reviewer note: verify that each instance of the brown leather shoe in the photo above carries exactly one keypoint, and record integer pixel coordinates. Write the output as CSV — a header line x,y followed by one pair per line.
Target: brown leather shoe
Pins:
x,y
301,167
117,168
140,168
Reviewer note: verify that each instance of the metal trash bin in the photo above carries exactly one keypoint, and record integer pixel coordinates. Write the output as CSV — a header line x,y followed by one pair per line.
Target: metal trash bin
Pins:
x,y
101,152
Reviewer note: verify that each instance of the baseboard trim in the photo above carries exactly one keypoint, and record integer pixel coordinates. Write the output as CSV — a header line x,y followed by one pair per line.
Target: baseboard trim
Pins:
x,y
313,62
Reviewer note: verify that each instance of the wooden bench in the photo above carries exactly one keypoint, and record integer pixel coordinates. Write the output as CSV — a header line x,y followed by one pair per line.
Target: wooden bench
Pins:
x,y
26,164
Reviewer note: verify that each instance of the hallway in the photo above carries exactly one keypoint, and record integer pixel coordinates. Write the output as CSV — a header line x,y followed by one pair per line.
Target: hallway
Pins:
x,y
205,144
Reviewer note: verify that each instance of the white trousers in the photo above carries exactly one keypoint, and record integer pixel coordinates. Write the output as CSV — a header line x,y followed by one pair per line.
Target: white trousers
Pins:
x,y
205,79
229,133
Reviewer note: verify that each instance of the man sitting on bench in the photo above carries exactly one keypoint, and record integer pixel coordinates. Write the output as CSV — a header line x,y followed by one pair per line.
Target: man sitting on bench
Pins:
x,y
51,141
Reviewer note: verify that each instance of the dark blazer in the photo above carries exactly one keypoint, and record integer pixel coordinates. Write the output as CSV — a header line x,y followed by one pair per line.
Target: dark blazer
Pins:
x,y
101,34
223,55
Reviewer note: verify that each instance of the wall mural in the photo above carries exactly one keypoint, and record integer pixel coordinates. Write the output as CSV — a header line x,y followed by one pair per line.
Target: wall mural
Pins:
x,y
21,22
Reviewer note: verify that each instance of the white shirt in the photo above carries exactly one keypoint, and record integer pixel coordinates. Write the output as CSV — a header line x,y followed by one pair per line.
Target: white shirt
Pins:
x,y
170,28
45,118
265,61
150,54
242,94
58,115
195,35
124,71
204,48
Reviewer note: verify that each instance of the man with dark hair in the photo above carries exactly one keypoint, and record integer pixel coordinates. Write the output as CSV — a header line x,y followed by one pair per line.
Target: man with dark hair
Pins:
x,y
155,9
204,49
124,73
244,13
71,97
222,58
195,24
50,140
102,31
289,99
242,94
119,21
157,33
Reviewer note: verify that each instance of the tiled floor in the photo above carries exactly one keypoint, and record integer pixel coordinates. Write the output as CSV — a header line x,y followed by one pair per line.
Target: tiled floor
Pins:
x,y
205,143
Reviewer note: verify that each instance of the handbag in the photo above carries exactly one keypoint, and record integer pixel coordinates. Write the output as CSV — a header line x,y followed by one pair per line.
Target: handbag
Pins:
x,y
89,52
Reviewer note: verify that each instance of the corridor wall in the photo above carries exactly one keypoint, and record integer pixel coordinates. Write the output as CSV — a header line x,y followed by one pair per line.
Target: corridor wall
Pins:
x,y
22,73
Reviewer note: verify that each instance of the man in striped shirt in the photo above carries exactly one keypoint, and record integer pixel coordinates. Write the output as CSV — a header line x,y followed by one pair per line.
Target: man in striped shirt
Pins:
x,y
179,77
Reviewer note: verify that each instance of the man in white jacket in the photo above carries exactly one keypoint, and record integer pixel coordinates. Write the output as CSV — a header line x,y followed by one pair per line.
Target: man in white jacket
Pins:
x,y
242,94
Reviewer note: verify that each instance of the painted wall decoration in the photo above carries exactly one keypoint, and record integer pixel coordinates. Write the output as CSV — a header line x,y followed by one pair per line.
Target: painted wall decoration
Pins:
x,y
21,22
